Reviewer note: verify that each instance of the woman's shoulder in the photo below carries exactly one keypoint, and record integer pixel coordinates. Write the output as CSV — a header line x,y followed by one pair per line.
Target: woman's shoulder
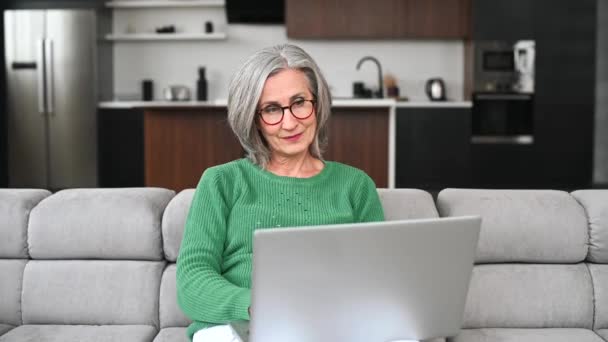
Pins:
x,y
346,170
231,168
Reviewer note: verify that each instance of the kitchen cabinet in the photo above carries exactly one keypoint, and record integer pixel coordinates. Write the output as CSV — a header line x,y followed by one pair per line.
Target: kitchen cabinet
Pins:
x,y
565,35
433,147
170,147
180,143
380,19
120,143
358,136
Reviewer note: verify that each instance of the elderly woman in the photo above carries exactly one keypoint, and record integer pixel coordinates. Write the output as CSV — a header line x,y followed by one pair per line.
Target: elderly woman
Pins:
x,y
278,107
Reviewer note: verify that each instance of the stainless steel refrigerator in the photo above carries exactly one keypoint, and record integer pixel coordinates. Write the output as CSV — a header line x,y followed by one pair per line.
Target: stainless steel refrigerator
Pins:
x,y
51,81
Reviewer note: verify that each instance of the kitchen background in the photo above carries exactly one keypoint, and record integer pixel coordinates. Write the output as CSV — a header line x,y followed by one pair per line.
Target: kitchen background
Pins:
x,y
124,64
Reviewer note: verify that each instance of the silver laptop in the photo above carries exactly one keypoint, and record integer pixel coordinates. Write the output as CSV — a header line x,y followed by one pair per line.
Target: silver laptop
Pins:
x,y
363,282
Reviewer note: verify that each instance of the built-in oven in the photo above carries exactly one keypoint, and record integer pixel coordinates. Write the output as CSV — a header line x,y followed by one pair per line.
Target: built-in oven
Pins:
x,y
503,97
502,118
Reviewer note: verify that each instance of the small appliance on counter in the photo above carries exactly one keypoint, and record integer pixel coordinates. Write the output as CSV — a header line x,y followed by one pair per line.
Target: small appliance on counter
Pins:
x,y
177,93
435,89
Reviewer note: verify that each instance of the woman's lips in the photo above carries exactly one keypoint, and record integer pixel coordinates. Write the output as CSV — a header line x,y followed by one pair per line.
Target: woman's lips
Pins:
x,y
293,137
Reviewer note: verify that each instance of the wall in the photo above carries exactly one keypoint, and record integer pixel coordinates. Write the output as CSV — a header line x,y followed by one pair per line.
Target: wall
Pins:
x,y
176,62
600,172
3,116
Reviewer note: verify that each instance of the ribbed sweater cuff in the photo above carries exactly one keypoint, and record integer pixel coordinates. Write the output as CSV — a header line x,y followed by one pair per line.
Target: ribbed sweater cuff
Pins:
x,y
242,303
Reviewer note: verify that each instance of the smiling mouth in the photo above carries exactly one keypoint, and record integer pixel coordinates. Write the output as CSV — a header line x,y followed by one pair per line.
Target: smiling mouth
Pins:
x,y
293,137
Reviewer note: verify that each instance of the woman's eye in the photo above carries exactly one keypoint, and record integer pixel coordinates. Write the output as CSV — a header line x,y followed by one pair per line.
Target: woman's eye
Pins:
x,y
272,109
298,103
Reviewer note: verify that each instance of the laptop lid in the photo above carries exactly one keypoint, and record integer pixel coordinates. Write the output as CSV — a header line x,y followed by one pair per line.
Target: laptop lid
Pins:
x,y
381,281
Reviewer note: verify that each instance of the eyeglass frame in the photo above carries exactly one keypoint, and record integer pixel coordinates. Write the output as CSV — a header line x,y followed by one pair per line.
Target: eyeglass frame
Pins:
x,y
313,101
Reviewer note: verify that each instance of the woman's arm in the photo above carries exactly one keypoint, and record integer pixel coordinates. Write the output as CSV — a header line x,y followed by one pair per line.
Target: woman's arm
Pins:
x,y
366,203
202,292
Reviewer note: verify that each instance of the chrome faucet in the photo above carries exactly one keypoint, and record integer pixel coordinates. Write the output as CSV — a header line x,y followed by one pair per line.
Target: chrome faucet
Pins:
x,y
380,92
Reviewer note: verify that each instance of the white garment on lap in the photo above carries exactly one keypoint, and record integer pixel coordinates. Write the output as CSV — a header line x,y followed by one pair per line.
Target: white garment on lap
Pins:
x,y
218,333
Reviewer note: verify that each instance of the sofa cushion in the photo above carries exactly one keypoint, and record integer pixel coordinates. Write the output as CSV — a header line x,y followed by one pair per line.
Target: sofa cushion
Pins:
x,y
91,292
603,333
15,207
599,274
526,335
11,281
99,224
533,226
529,296
78,333
595,203
5,328
172,335
174,221
170,313
402,204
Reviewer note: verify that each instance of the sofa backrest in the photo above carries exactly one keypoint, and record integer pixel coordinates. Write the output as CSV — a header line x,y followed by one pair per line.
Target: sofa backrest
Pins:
x,y
531,247
595,203
15,208
404,204
99,247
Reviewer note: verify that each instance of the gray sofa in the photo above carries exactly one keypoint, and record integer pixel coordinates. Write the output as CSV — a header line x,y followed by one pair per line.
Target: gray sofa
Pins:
x,y
99,264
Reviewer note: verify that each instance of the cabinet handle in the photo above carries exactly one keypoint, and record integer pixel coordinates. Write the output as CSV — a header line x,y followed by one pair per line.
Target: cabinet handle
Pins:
x,y
502,139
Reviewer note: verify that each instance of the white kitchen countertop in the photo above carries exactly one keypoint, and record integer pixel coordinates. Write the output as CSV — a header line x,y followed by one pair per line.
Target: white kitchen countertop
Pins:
x,y
336,103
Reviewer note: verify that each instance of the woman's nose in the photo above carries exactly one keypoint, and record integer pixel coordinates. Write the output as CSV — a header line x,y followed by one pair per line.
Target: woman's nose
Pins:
x,y
289,121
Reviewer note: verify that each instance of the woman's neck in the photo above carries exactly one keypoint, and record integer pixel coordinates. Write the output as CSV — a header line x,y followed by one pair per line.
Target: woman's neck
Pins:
x,y
303,166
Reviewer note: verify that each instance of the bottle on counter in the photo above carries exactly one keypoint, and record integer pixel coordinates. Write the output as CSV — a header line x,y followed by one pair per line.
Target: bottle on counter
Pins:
x,y
147,90
201,85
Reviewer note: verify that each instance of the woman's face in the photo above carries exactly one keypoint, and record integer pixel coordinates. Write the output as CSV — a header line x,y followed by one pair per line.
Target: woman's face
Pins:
x,y
292,136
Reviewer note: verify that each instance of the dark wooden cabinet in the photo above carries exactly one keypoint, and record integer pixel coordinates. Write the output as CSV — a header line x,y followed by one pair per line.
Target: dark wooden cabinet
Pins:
x,y
380,19
120,141
180,143
359,137
171,147
433,147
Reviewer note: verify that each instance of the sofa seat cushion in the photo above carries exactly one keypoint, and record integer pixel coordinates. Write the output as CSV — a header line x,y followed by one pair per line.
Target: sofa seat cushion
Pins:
x,y
4,328
11,286
77,333
603,333
526,335
529,296
91,292
170,314
172,335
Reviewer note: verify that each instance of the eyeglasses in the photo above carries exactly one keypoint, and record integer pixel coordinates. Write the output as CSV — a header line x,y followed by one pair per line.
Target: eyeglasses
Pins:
x,y
300,109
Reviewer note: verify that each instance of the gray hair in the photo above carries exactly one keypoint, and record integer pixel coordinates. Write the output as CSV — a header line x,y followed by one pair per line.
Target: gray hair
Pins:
x,y
246,88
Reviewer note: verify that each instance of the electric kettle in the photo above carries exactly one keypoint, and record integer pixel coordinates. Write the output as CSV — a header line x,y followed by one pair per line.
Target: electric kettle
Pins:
x,y
435,89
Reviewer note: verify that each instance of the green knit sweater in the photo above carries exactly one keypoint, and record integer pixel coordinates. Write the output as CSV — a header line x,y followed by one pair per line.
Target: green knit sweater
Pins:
x,y
234,199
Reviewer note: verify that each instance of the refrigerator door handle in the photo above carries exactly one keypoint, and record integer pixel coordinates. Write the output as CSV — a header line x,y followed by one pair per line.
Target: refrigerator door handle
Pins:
x,y
41,75
49,76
